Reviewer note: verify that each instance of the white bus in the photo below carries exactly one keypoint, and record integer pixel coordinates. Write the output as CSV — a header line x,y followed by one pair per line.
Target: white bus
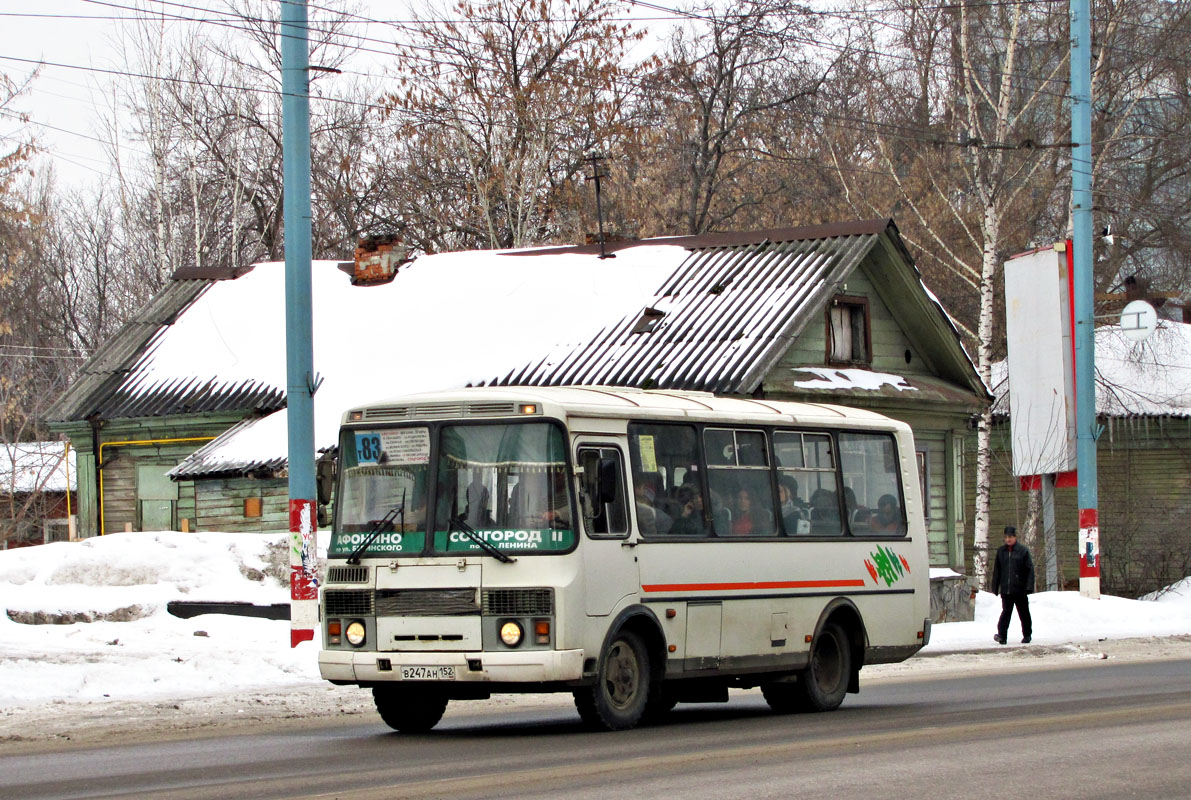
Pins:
x,y
635,548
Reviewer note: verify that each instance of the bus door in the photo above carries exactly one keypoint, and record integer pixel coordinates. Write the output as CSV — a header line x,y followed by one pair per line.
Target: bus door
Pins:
x,y
609,563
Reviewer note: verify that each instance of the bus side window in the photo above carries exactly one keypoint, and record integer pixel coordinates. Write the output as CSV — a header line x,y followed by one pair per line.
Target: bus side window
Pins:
x,y
611,519
807,484
870,467
667,489
739,479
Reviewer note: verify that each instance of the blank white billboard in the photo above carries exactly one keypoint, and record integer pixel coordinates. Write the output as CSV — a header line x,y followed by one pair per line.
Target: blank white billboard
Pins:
x,y
1041,375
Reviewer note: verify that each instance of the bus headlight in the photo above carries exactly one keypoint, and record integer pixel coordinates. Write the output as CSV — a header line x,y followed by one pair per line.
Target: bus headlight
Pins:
x,y
355,633
511,633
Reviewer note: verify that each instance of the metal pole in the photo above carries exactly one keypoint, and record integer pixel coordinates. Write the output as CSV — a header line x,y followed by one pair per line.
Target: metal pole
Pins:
x,y
1081,214
299,350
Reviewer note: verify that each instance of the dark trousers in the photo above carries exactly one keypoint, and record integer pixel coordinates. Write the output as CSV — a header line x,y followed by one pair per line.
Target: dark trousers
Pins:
x,y
1022,603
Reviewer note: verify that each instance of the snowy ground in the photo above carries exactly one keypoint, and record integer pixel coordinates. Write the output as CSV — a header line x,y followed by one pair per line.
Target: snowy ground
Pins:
x,y
134,669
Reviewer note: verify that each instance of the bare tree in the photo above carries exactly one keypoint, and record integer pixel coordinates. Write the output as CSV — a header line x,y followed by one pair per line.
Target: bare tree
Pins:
x,y
504,99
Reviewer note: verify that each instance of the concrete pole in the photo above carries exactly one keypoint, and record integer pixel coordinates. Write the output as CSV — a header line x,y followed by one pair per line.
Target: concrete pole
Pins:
x,y
299,348
1081,213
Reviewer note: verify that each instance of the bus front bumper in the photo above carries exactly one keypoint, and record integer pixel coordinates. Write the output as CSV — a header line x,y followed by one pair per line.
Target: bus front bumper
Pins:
x,y
526,666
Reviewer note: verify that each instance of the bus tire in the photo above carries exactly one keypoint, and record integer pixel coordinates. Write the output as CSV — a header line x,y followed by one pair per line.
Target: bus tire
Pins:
x,y
618,699
783,698
824,682
408,711
662,700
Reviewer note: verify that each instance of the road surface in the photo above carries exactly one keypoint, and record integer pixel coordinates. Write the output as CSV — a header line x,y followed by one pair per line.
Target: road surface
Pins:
x,y
1096,731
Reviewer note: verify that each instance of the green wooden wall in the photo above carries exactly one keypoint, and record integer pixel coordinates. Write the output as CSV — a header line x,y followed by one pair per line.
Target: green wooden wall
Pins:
x,y
143,444
1144,489
219,504
889,342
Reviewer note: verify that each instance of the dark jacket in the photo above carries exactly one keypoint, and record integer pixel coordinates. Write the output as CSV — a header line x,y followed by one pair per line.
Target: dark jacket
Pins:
x,y
1013,570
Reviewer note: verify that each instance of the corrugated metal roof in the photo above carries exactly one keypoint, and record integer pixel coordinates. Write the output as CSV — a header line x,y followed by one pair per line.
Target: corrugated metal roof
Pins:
x,y
112,384
727,313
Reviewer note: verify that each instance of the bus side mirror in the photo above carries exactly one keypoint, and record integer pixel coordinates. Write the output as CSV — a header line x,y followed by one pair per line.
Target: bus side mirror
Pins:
x,y
324,480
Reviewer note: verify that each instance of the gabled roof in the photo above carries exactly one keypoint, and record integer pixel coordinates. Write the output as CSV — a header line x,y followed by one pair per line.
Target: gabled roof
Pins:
x,y
115,381
724,317
717,312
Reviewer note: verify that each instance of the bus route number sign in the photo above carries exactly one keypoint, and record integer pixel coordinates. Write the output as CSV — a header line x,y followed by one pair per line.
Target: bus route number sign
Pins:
x,y
404,446
368,448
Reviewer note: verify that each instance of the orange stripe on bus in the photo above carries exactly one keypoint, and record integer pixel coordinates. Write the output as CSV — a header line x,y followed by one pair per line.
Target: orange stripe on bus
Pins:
x,y
718,587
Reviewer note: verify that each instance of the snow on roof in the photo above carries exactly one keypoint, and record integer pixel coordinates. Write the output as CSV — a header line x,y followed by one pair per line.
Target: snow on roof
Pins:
x,y
1133,379
27,467
491,311
834,378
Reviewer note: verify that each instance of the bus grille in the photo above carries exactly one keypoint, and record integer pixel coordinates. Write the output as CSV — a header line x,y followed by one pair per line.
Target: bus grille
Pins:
x,y
426,602
352,602
347,574
518,602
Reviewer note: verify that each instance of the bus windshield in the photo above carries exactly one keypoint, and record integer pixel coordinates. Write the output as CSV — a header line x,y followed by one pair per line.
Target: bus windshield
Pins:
x,y
382,471
506,482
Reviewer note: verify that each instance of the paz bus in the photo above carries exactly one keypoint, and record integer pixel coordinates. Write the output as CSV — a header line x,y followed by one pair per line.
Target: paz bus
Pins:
x,y
635,548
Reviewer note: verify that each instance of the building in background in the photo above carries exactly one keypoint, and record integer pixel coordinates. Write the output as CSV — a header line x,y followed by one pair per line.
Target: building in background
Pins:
x,y
37,482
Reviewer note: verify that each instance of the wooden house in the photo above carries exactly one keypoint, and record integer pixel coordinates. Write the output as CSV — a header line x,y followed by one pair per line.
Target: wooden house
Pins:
x,y
830,313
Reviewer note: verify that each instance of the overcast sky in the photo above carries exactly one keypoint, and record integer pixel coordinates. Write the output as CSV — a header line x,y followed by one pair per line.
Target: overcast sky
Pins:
x,y
66,104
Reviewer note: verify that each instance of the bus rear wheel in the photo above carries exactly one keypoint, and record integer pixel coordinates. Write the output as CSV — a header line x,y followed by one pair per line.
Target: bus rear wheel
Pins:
x,y
620,695
409,711
824,682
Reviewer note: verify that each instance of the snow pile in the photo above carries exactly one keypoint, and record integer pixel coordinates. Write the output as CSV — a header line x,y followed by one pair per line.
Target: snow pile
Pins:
x,y
134,648
1062,617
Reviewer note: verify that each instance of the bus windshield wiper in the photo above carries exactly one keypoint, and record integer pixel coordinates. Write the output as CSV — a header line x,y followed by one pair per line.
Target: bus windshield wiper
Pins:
x,y
382,525
457,523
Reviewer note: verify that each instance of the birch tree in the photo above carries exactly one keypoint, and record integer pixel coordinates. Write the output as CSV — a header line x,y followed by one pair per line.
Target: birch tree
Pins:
x,y
972,158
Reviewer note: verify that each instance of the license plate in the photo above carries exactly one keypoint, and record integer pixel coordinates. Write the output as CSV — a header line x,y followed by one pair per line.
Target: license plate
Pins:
x,y
428,673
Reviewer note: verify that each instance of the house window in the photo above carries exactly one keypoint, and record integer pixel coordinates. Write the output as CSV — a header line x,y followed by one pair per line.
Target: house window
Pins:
x,y
924,480
848,338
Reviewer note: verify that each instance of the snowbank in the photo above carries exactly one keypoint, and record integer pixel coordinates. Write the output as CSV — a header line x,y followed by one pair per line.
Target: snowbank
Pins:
x,y
135,648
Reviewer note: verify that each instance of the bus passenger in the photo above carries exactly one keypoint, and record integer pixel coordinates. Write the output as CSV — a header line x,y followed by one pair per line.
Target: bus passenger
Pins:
x,y
792,505
749,520
888,518
650,518
689,521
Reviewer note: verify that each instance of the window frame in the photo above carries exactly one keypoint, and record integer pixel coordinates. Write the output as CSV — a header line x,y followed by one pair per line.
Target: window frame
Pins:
x,y
851,301
601,447
769,466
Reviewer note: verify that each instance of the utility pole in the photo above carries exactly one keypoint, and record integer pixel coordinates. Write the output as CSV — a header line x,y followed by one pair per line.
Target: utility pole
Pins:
x,y
1081,220
299,348
597,172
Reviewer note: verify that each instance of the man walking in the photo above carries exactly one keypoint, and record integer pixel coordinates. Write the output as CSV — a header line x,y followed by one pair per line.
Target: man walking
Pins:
x,y
1013,580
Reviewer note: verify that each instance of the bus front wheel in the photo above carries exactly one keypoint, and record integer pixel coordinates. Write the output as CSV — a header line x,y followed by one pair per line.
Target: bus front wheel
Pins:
x,y
619,697
409,711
